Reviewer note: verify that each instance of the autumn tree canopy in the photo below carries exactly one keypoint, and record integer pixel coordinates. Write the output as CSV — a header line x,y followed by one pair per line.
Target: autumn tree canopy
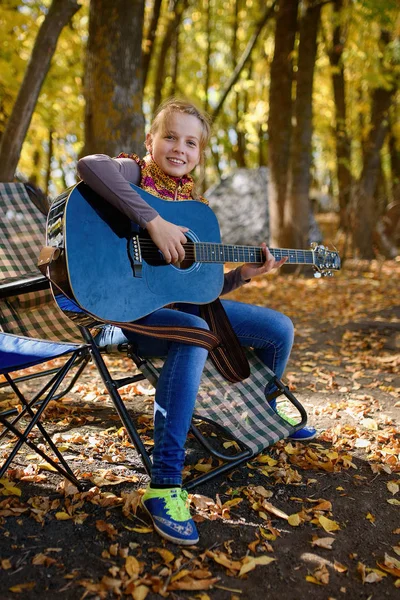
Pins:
x,y
308,89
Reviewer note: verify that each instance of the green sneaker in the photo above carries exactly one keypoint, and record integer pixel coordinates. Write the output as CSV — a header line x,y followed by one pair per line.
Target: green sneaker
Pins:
x,y
304,434
169,511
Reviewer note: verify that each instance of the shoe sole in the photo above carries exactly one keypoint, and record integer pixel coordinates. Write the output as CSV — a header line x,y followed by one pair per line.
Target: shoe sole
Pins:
x,y
168,537
303,439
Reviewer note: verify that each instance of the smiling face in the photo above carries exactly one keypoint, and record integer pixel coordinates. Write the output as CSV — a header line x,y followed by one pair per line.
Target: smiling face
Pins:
x,y
175,146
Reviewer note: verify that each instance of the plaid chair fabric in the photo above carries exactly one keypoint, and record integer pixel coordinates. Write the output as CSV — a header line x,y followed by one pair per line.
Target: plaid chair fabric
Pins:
x,y
22,235
242,407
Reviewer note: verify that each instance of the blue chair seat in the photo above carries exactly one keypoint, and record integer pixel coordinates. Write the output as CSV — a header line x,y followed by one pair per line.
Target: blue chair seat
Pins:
x,y
17,352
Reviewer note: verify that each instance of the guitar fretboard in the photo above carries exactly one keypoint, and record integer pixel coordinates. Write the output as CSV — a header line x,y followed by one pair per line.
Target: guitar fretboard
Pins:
x,y
222,253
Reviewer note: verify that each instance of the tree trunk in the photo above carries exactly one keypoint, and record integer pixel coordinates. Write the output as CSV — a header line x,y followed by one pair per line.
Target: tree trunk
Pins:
x,y
364,217
49,161
343,146
241,139
59,13
208,55
113,79
179,8
245,56
176,55
280,116
297,213
149,43
394,164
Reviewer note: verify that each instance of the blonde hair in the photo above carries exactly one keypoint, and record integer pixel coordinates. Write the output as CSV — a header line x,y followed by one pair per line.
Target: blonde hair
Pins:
x,y
171,105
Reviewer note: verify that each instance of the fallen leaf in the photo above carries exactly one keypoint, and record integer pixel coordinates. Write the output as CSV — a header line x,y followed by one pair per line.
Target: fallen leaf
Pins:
x,y
42,559
9,489
5,564
165,554
132,566
373,577
328,524
294,520
190,584
323,505
362,443
275,511
325,542
391,565
62,516
393,487
222,559
252,563
312,579
139,529
321,574
203,468
339,567
21,587
233,502
262,491
184,573
47,467
370,517
370,575
140,592
369,424
107,528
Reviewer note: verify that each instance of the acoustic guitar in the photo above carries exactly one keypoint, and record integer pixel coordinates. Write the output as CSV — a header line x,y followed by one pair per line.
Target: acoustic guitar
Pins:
x,y
112,270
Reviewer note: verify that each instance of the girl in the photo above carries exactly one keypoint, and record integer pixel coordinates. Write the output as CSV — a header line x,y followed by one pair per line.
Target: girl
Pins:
x,y
175,145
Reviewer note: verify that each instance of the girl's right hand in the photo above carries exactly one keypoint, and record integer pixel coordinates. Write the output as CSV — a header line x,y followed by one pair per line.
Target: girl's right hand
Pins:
x,y
169,238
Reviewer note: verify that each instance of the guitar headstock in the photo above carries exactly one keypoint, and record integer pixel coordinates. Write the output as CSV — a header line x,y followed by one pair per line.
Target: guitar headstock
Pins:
x,y
325,261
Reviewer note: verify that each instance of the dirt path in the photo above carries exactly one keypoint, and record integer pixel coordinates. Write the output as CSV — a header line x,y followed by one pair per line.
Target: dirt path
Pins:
x,y
318,520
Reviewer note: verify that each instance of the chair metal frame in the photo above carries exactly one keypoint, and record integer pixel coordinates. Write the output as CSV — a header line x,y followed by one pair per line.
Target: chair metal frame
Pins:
x,y
35,409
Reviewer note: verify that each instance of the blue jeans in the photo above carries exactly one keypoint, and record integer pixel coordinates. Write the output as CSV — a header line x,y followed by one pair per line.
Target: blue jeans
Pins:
x,y
269,332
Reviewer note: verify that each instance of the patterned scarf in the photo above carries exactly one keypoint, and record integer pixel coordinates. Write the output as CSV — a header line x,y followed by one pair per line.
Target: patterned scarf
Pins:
x,y
158,183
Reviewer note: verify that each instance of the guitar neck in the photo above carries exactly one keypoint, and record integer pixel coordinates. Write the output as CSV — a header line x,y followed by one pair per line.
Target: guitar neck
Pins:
x,y
223,253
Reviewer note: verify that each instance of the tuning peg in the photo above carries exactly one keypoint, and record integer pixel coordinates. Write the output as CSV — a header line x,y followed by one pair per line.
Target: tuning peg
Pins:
x,y
317,274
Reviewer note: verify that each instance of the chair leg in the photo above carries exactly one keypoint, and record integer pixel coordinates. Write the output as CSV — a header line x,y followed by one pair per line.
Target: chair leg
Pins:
x,y
81,359
36,421
67,473
229,466
54,384
81,363
116,399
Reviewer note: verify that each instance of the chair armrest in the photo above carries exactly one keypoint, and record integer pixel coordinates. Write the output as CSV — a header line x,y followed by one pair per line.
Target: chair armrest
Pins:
x,y
30,282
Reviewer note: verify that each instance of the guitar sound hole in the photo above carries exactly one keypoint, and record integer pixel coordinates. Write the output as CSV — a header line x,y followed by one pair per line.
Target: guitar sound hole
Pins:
x,y
154,258
189,257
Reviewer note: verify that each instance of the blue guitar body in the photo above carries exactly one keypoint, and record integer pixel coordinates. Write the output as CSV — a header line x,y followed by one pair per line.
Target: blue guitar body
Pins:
x,y
104,271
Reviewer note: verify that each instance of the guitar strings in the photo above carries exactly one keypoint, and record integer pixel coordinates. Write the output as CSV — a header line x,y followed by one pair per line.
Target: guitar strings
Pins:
x,y
205,245
232,247
151,251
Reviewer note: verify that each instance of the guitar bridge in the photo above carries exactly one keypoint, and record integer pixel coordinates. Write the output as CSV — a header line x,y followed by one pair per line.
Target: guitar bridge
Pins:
x,y
135,256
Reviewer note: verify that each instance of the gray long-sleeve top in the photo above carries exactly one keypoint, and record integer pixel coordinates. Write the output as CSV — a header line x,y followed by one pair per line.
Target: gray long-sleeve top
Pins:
x,y
110,178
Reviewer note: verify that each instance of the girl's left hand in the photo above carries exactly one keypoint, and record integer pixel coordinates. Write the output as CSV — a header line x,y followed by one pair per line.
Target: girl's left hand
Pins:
x,y
250,270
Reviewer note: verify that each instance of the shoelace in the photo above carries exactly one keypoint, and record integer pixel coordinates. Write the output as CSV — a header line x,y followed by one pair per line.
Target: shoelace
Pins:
x,y
177,505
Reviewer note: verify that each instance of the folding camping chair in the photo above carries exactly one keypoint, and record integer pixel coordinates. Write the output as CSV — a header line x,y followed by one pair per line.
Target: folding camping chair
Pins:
x,y
29,317
35,330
